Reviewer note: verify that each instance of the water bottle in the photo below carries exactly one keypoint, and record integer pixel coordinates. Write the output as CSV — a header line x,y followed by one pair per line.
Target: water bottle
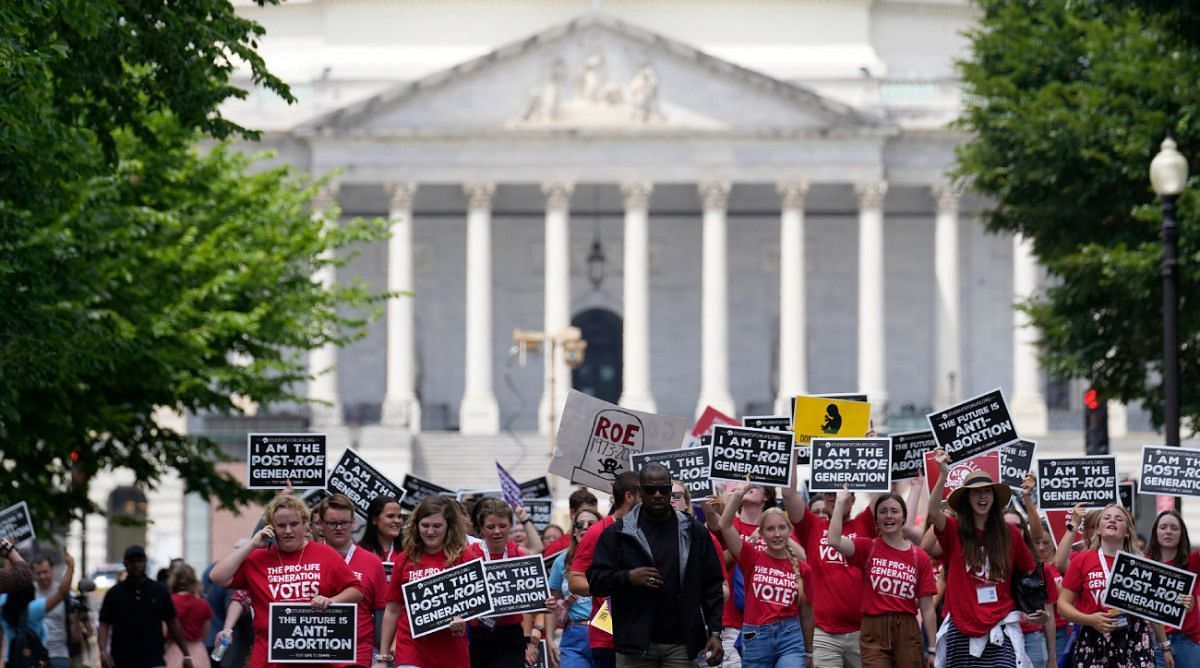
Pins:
x,y
219,650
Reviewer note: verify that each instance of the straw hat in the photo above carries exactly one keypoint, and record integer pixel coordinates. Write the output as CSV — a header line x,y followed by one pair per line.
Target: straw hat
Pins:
x,y
979,479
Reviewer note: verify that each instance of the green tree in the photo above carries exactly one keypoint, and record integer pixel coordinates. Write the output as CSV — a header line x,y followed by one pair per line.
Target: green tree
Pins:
x,y
1066,103
136,271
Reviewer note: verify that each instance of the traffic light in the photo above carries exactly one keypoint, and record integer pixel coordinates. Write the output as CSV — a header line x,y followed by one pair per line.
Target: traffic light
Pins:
x,y
1095,423
79,474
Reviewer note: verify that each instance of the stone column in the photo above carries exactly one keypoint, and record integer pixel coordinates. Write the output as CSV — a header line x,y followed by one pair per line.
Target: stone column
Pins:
x,y
793,348
714,307
557,304
635,348
400,405
872,359
948,361
325,408
479,413
1028,405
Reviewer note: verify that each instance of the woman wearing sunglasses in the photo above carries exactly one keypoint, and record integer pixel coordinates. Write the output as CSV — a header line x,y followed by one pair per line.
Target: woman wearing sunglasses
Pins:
x,y
573,650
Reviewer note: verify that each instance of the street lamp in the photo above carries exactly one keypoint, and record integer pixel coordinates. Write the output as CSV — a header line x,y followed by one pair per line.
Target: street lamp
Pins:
x,y
573,346
1168,175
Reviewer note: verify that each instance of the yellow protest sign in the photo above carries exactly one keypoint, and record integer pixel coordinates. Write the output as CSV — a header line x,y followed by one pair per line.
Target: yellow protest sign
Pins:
x,y
603,620
829,418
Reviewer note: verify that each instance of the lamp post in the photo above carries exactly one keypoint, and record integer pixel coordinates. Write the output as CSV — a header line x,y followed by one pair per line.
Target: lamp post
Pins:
x,y
1168,175
573,346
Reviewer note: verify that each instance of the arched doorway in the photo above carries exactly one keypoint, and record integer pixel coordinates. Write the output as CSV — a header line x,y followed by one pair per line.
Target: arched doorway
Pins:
x,y
600,373
127,513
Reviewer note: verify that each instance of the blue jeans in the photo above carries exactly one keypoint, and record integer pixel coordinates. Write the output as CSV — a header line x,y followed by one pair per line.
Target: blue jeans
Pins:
x,y
573,650
1035,648
775,645
1184,649
1061,635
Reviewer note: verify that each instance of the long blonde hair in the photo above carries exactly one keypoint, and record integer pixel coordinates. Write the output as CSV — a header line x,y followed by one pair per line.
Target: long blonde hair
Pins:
x,y
791,554
1130,529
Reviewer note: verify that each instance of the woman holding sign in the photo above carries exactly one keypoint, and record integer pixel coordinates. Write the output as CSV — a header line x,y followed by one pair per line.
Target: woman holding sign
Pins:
x,y
898,580
774,586
981,552
500,642
280,565
1106,637
434,540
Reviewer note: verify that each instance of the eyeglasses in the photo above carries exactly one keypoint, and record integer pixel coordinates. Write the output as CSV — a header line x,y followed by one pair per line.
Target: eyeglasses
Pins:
x,y
580,526
651,490
677,496
338,525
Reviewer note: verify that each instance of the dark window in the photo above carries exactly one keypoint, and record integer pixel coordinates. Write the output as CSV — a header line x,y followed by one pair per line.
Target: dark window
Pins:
x,y
600,373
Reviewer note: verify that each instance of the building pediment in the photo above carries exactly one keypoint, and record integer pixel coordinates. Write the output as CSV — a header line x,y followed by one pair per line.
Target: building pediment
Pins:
x,y
595,75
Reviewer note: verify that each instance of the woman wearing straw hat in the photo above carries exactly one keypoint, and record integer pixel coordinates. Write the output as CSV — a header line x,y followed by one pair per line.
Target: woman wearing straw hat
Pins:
x,y
981,551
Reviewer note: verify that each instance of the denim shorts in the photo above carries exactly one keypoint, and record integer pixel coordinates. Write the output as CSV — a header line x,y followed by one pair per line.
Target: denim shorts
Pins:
x,y
776,645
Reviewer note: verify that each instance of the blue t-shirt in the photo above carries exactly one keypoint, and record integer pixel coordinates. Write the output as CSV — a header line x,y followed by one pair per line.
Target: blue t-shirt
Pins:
x,y
581,609
37,612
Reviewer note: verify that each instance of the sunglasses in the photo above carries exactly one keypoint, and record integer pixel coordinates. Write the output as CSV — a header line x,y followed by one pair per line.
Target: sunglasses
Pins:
x,y
677,496
651,490
580,526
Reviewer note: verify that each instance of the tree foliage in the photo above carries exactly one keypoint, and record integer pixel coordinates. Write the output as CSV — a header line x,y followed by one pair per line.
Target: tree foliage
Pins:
x,y
137,272
1066,103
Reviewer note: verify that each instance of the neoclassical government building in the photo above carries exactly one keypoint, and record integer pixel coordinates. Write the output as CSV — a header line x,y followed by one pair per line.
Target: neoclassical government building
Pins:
x,y
736,201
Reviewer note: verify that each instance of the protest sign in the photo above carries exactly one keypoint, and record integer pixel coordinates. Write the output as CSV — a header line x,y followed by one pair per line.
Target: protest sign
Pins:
x,y
691,466
763,455
862,464
773,422
16,524
1057,519
1016,459
509,487
540,512
1127,492
273,460
1171,471
361,482
314,496
299,634
417,488
845,396
973,426
432,602
595,439
538,488
958,471
517,584
704,424
908,453
1148,589
540,661
464,494
1066,481
824,417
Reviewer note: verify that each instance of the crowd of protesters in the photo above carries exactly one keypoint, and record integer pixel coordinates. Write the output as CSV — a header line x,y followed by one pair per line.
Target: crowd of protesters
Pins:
x,y
754,576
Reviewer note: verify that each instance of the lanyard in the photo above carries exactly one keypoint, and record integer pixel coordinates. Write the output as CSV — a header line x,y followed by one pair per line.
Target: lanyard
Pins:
x,y
1103,569
487,552
389,557
351,552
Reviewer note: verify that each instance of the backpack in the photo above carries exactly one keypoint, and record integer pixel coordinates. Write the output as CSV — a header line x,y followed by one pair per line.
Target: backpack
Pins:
x,y
26,649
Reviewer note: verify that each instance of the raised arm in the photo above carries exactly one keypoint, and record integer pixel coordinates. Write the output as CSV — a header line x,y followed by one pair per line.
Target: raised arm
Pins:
x,y
533,539
1062,553
835,538
223,571
793,503
1031,511
937,519
733,540
64,587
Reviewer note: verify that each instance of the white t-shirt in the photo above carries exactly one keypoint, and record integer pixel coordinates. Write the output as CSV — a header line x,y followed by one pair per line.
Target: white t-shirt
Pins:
x,y
55,622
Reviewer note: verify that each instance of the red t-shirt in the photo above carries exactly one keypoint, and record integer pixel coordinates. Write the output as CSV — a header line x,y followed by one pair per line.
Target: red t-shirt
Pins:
x,y
837,585
511,549
770,585
192,611
894,579
440,649
369,570
731,616
584,553
1054,577
964,588
1052,583
557,545
270,577
1086,578
1191,621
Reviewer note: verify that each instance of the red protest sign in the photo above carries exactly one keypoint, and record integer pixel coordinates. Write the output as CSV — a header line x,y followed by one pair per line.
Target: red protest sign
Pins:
x,y
989,461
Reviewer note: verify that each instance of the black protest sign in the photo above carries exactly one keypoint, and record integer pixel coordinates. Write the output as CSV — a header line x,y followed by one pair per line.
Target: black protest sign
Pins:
x,y
16,524
517,585
774,422
274,460
314,496
416,488
1127,492
299,634
861,464
361,482
760,456
1148,589
690,466
1172,471
538,488
973,426
908,453
1016,459
540,511
1066,481
432,602
540,661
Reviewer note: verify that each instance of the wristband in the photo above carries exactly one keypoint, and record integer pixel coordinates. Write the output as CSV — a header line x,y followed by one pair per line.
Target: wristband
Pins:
x,y
383,658
1070,526
931,650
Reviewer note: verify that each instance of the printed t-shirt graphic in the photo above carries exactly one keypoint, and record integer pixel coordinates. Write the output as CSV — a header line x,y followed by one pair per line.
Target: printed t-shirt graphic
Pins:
x,y
837,585
894,579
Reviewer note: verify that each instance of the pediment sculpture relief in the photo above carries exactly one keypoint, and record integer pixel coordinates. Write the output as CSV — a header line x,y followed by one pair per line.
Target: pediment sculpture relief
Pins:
x,y
590,96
